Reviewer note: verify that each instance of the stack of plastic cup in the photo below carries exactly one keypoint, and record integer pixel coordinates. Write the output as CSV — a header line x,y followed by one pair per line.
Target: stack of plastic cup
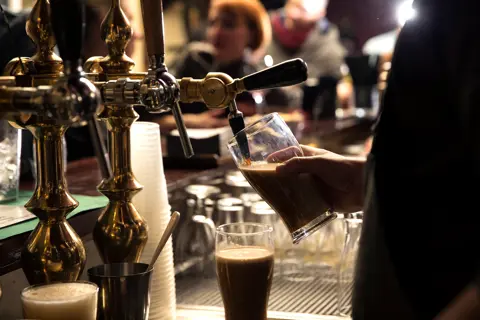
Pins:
x,y
152,204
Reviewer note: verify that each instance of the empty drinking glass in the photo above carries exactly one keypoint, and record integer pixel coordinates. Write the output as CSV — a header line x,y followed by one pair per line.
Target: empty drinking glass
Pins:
x,y
237,183
229,210
10,152
249,199
347,265
201,194
263,213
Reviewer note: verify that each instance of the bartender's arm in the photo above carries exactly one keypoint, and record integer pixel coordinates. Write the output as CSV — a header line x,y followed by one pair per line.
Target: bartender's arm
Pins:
x,y
342,179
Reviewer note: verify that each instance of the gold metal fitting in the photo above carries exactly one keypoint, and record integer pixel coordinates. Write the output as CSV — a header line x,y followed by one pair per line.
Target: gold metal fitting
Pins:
x,y
53,251
120,232
217,90
45,63
116,32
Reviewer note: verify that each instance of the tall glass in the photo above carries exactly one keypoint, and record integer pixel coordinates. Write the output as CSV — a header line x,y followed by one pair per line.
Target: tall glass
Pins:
x,y
10,152
347,265
59,301
296,198
244,257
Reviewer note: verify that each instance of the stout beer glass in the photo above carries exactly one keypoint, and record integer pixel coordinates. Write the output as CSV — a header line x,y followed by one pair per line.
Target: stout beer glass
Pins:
x,y
244,258
296,198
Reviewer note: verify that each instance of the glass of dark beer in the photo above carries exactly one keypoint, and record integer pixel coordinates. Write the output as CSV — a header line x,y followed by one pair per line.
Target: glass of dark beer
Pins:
x,y
296,198
244,258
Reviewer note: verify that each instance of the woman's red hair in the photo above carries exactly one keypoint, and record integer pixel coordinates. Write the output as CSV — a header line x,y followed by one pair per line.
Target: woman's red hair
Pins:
x,y
257,19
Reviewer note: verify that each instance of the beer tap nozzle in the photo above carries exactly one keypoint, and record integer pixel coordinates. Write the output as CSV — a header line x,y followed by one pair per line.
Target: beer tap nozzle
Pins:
x,y
160,90
68,24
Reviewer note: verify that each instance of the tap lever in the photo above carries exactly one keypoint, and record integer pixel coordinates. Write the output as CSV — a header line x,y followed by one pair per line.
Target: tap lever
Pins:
x,y
237,124
284,74
76,97
217,90
152,12
68,23
182,130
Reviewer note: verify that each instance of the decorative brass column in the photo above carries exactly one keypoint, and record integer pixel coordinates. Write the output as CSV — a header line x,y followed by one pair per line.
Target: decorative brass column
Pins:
x,y
120,233
53,251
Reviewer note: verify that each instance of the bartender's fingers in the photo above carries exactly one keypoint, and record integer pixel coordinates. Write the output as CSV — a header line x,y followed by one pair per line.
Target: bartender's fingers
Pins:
x,y
293,151
332,172
311,151
285,154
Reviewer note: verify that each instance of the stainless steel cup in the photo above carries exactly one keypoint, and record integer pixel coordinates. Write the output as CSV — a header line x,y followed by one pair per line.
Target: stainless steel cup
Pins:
x,y
124,290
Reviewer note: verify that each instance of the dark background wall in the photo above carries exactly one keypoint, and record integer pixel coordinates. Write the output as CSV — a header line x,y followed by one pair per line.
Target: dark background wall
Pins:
x,y
362,19
365,18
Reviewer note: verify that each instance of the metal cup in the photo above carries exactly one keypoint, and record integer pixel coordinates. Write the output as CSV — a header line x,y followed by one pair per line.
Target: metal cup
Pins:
x,y
124,290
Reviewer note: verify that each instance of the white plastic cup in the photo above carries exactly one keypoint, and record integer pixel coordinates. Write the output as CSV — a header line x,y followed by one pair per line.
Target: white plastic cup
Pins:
x,y
152,204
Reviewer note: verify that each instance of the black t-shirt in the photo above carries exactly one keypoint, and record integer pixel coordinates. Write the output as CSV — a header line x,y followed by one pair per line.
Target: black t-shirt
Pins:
x,y
420,240
16,43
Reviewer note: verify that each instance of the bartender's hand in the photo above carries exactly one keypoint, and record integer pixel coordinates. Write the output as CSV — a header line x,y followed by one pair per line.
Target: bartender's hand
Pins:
x,y
340,178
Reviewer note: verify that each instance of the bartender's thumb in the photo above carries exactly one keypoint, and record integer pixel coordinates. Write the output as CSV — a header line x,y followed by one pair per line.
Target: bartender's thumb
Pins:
x,y
329,170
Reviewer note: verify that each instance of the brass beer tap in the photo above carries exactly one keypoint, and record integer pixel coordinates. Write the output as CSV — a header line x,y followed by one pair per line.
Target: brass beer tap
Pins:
x,y
120,232
38,96
46,96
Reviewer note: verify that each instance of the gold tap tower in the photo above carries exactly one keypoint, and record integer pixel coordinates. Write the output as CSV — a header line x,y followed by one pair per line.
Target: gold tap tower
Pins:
x,y
53,252
120,233
36,95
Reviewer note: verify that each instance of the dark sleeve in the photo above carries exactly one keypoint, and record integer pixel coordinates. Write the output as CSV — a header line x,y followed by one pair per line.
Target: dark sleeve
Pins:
x,y
278,97
144,115
17,43
195,62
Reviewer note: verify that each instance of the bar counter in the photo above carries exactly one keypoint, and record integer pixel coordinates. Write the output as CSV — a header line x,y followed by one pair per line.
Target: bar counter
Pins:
x,y
83,176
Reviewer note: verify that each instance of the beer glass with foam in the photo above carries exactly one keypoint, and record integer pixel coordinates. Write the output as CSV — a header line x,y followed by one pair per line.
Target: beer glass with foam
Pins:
x,y
244,258
60,301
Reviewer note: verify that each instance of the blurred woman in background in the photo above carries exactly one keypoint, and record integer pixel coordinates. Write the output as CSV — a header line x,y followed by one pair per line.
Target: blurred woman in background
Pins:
x,y
237,35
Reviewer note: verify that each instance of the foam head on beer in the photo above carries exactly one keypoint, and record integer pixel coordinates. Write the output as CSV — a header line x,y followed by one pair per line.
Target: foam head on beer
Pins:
x,y
59,301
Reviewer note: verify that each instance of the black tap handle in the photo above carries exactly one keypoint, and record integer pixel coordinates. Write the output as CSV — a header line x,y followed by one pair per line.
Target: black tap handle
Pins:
x,y
283,74
68,24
